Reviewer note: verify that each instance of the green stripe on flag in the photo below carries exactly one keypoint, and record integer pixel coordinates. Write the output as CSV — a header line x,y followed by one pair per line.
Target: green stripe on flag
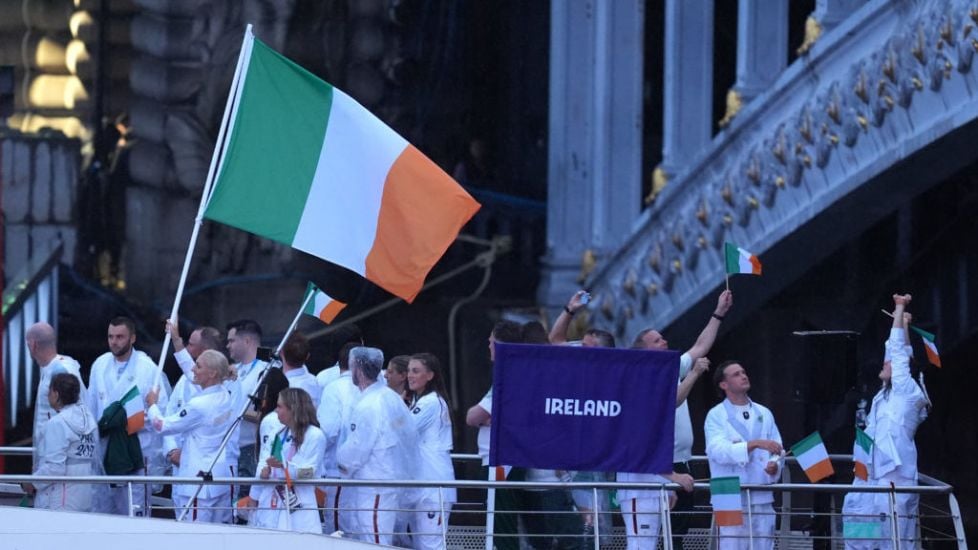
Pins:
x,y
274,148
924,334
310,308
725,485
863,440
732,258
130,395
277,446
807,444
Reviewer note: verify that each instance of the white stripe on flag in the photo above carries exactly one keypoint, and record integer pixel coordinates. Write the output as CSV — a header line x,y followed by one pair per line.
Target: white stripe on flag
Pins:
x,y
339,221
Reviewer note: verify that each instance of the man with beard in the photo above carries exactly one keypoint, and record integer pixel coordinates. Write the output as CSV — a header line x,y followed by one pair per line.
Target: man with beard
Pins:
x,y
113,374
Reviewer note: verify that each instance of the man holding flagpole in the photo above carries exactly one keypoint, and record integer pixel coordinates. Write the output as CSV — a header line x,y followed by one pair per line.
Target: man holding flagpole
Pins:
x,y
742,439
127,374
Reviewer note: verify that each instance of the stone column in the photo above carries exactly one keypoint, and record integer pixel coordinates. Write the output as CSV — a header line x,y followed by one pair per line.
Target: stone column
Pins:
x,y
830,13
762,45
595,150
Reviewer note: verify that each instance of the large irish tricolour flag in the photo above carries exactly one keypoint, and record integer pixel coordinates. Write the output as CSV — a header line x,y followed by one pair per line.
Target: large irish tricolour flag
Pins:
x,y
306,165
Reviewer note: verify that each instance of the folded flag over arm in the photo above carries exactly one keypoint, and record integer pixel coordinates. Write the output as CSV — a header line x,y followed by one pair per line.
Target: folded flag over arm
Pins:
x,y
135,414
321,305
813,457
725,499
308,166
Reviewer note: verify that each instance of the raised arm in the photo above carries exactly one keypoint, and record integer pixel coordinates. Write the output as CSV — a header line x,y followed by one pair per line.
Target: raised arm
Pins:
x,y
896,346
558,334
706,338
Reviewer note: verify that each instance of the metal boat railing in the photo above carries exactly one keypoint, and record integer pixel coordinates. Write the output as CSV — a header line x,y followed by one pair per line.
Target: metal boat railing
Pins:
x,y
940,520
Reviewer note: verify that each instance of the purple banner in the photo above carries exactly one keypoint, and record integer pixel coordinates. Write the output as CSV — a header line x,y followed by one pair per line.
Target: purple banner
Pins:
x,y
577,408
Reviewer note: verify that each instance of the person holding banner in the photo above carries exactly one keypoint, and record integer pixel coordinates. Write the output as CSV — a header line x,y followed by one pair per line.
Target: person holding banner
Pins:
x,y
742,439
114,374
690,369
434,424
382,445
203,421
897,411
504,504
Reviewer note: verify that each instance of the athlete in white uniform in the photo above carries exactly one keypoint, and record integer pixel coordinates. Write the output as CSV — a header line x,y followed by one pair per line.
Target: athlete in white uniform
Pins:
x,y
295,353
299,451
382,444
742,439
113,374
898,409
42,346
69,447
434,423
335,407
203,421
244,336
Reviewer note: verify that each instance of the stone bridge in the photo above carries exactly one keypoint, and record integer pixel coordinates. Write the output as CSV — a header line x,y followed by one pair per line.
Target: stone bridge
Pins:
x,y
878,107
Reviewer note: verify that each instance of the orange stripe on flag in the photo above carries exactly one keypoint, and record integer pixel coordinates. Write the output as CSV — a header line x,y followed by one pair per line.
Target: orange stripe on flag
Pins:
x,y
500,473
421,212
860,471
755,265
933,357
820,470
729,518
331,311
135,422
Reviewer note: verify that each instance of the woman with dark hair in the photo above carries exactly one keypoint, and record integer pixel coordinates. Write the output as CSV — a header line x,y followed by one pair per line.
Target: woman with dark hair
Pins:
x,y
297,453
396,375
434,422
68,448
897,410
269,427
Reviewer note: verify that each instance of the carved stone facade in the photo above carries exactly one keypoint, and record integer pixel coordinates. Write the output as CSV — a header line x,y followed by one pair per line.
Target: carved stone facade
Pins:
x,y
892,79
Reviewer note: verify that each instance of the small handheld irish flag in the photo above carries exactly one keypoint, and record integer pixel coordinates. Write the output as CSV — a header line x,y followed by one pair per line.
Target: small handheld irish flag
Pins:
x,y
135,414
813,458
725,499
860,454
739,260
930,346
321,305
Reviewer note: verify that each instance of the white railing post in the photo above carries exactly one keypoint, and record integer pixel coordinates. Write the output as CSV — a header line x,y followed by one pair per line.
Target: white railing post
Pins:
x,y
666,518
597,519
750,520
894,527
444,519
129,498
956,519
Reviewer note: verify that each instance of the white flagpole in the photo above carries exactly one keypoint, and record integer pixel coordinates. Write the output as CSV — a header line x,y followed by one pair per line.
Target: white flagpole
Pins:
x,y
298,315
234,95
